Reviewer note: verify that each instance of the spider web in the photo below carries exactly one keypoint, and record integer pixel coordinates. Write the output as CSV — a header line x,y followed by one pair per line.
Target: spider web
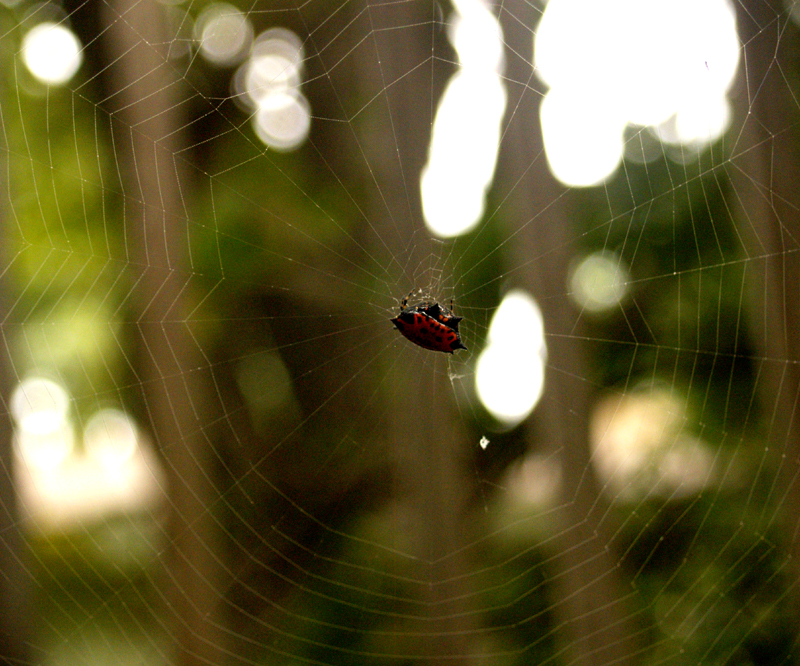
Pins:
x,y
283,477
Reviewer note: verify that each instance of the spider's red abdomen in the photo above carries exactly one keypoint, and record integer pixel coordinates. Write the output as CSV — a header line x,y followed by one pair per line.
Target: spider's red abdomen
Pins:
x,y
430,326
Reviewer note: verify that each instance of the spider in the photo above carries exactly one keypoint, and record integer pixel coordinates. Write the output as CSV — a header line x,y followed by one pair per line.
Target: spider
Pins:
x,y
429,325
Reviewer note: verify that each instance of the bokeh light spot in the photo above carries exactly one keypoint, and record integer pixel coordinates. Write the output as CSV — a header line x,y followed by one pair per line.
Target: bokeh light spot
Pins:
x,y
44,433
509,377
52,53
631,62
599,282
110,437
283,121
224,32
640,445
466,131
269,83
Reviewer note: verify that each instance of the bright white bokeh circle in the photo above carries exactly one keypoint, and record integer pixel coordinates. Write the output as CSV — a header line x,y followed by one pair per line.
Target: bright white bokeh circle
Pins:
x,y
52,53
110,437
466,132
283,121
44,432
509,375
666,64
224,32
39,404
269,83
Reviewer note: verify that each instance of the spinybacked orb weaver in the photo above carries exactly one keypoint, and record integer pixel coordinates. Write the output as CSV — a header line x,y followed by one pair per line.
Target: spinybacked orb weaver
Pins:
x,y
429,325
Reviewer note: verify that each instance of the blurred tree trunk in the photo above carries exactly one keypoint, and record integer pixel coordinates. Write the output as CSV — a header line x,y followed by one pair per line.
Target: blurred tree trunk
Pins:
x,y
14,577
14,581
590,597
766,180
429,445
170,367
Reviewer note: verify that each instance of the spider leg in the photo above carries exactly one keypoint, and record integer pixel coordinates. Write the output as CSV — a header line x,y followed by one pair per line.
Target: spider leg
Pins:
x,y
404,302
